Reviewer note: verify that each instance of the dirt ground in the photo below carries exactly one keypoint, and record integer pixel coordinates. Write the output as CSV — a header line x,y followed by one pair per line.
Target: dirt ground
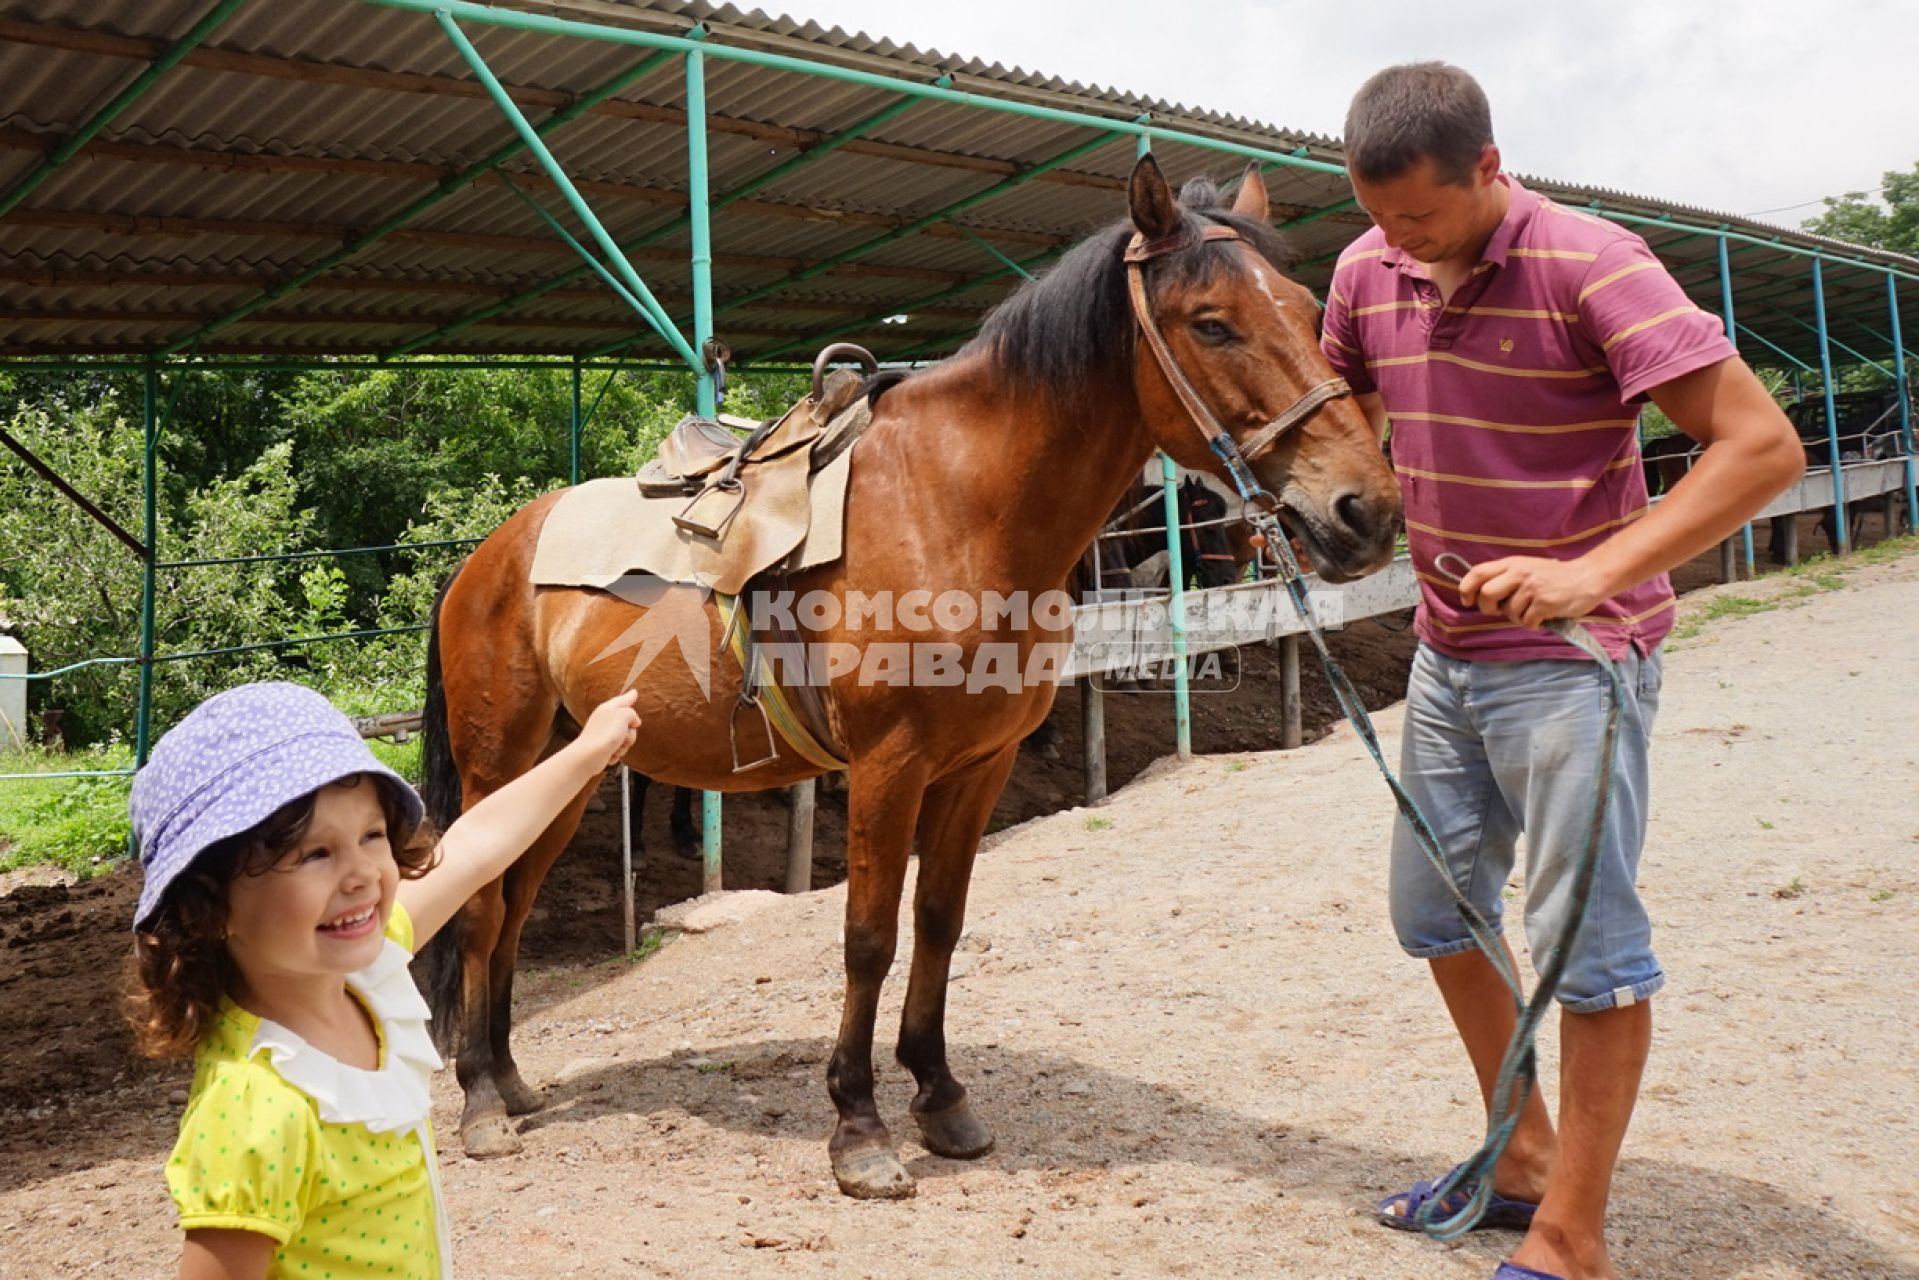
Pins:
x,y
1183,1014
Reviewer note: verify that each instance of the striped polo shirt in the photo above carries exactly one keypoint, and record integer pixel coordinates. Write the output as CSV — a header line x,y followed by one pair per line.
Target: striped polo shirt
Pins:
x,y
1514,407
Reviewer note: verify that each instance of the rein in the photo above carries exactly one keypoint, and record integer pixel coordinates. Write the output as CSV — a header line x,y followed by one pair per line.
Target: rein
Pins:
x,y
1519,1068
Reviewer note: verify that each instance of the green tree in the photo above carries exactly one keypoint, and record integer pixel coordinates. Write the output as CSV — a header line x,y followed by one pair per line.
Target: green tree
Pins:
x,y
1889,221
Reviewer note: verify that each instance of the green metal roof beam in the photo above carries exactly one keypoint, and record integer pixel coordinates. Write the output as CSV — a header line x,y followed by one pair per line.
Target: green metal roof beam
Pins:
x,y
931,300
121,101
1746,329
918,225
581,210
1885,338
649,307
1619,215
1350,202
991,248
458,182
242,364
824,147
898,233
524,21
1851,351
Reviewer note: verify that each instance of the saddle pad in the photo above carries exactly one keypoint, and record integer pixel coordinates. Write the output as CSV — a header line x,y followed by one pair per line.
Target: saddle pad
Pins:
x,y
604,529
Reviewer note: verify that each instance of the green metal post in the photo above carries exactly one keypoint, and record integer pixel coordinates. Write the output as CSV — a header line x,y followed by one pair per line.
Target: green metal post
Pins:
x,y
1842,536
713,873
121,101
1732,336
573,432
529,135
1905,405
1175,578
143,729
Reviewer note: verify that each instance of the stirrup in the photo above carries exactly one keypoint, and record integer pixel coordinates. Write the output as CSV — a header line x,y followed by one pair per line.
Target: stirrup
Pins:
x,y
766,726
717,529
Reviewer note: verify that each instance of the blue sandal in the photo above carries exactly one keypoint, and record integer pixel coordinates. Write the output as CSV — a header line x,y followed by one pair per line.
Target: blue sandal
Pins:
x,y
1501,1213
1513,1271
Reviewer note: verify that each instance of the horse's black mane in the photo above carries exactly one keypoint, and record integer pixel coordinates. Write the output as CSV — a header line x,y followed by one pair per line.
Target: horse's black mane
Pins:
x,y
1074,325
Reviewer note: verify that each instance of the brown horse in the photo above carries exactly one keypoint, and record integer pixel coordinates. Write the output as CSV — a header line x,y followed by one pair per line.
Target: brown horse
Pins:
x,y
989,473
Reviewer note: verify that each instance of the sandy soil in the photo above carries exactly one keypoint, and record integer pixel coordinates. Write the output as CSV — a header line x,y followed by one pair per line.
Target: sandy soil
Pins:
x,y
1185,1017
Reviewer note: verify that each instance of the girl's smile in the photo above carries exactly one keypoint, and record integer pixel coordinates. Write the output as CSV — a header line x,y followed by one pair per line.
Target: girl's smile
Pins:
x,y
320,912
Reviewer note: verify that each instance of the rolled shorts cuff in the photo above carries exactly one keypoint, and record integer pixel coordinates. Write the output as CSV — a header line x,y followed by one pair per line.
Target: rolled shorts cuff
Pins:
x,y
1439,949
1617,998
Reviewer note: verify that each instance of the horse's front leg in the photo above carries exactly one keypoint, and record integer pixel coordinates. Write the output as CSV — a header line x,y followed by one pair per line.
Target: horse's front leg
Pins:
x,y
953,817
883,801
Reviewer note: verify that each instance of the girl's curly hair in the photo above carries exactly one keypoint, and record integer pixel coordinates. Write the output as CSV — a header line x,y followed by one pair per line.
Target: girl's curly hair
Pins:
x,y
180,970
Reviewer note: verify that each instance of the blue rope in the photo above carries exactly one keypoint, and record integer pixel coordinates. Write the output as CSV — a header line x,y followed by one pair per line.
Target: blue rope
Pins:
x,y
1518,1069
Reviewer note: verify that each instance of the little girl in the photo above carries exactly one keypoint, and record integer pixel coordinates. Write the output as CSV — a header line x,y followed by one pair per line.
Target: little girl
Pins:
x,y
289,877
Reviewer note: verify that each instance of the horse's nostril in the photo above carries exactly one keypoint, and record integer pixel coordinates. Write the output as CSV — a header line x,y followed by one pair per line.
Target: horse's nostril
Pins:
x,y
1351,510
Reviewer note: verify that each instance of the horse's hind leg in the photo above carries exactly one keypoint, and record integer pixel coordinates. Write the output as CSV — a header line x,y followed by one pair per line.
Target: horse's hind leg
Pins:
x,y
882,805
953,817
521,884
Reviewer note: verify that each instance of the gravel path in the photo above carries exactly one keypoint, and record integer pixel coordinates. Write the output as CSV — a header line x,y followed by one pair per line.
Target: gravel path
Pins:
x,y
1203,1055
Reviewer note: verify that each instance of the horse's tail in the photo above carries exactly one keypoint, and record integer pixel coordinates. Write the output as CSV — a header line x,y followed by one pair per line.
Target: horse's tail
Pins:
x,y
442,959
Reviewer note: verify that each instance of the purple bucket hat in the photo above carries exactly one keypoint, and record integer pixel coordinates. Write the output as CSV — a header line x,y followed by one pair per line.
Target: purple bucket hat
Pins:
x,y
230,764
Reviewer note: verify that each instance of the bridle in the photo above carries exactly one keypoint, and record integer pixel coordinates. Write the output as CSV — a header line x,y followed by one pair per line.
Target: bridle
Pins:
x,y
1237,457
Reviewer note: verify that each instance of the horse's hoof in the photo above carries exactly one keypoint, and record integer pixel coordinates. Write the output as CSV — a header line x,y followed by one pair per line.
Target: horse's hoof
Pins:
x,y
955,1133
522,1099
872,1173
490,1137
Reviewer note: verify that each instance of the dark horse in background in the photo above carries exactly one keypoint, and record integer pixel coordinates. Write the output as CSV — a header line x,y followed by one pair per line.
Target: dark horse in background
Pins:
x,y
990,472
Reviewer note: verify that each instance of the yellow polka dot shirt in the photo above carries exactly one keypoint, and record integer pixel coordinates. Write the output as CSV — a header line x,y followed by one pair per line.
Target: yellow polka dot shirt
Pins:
x,y
335,1164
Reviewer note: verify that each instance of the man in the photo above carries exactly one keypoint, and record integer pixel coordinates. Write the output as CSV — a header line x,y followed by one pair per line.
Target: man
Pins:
x,y
1509,342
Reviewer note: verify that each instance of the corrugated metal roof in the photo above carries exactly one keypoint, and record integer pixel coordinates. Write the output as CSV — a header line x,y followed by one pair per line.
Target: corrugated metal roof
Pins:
x,y
298,125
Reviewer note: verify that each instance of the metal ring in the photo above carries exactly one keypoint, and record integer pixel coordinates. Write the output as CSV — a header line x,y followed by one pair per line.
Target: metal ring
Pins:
x,y
1439,565
841,351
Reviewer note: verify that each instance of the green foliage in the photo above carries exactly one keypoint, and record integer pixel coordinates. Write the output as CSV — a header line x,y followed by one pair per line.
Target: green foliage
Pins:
x,y
78,824
1889,221
255,463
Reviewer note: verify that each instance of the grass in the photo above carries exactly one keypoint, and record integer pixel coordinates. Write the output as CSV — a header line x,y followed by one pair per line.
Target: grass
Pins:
x,y
80,825
1099,824
77,824
651,941
1799,582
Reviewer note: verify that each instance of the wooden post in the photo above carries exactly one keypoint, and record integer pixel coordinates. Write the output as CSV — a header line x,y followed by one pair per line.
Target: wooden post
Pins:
x,y
1291,732
1092,728
626,858
1791,527
1728,562
1889,513
799,837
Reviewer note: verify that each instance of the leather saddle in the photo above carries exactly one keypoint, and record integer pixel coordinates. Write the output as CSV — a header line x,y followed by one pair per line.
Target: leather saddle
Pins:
x,y
762,474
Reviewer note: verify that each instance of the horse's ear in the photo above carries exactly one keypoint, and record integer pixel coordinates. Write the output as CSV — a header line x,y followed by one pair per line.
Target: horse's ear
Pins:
x,y
1250,199
1155,212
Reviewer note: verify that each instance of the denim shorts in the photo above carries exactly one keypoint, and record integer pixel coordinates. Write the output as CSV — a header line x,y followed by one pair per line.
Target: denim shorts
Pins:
x,y
1496,750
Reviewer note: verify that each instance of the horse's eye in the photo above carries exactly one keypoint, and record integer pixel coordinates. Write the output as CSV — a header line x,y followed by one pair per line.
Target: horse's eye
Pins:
x,y
1214,331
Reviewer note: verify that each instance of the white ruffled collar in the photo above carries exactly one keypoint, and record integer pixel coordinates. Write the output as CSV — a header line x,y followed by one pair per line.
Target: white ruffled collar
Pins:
x,y
398,1095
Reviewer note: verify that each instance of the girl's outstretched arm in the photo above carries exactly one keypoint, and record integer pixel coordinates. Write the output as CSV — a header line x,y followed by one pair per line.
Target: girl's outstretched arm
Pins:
x,y
483,843
226,1255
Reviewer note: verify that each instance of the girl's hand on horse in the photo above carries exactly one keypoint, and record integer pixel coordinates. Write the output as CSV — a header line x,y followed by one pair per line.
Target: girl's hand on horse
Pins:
x,y
612,728
488,838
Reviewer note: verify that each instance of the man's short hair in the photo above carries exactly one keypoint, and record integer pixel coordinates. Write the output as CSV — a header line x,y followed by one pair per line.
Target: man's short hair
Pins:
x,y
1417,110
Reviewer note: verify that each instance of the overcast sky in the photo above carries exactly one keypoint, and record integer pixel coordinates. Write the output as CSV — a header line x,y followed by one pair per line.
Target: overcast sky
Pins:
x,y
1737,107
